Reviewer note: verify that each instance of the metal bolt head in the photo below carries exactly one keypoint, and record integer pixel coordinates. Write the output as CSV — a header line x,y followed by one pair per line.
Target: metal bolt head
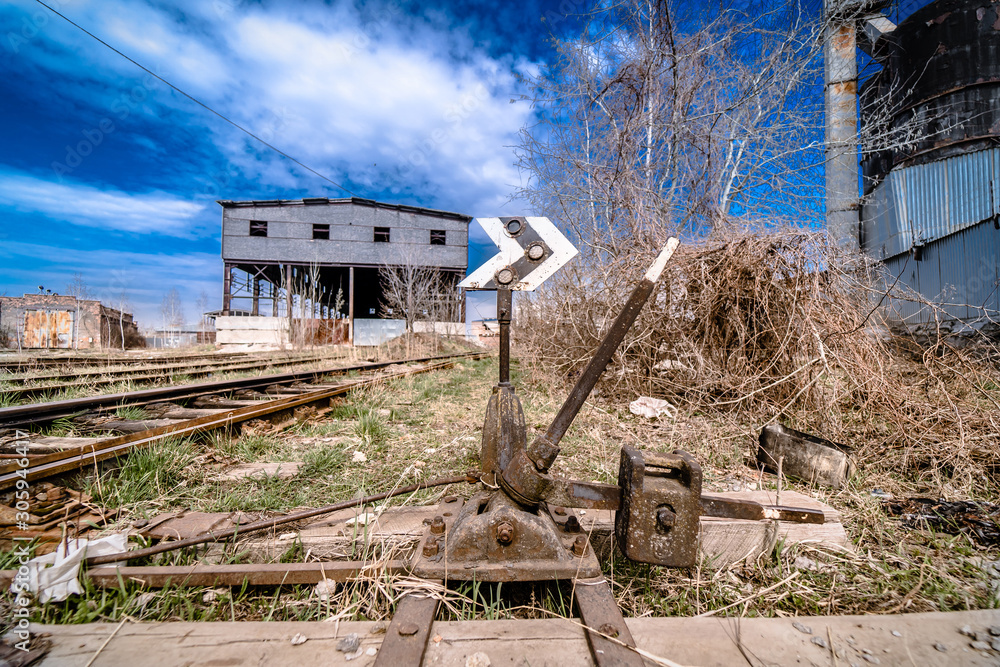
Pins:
x,y
430,549
408,629
666,517
559,511
572,524
505,533
536,251
505,276
608,629
437,525
580,546
514,227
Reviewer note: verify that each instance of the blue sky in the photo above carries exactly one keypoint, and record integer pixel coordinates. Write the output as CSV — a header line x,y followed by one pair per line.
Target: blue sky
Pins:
x,y
107,172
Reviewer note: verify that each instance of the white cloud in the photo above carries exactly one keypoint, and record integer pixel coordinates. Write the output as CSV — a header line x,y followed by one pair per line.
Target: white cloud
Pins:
x,y
386,98
101,207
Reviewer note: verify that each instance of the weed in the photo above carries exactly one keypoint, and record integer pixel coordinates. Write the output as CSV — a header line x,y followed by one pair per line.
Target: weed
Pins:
x,y
322,461
372,428
131,413
145,475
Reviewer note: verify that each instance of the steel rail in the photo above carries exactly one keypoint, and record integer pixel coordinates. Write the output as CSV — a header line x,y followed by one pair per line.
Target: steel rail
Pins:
x,y
156,366
97,361
56,463
25,415
151,374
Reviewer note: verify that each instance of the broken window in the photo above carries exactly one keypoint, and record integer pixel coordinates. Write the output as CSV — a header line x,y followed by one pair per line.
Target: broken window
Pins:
x,y
437,237
258,228
381,235
321,232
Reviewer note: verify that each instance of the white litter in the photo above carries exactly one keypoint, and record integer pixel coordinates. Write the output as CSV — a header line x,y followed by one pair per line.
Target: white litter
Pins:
x,y
359,457
325,589
53,577
299,639
645,406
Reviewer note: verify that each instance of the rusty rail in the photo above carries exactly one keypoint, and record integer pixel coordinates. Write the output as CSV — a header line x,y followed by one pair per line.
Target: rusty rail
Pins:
x,y
105,378
60,462
25,415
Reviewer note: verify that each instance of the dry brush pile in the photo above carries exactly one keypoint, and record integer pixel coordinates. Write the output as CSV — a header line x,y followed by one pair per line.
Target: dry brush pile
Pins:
x,y
767,325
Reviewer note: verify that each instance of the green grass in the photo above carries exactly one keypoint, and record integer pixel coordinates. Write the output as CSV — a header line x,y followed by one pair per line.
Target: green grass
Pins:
x,y
131,413
145,475
323,461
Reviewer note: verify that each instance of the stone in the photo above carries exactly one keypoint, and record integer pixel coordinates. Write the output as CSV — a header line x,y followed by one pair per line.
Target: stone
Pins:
x,y
980,646
349,644
478,660
802,628
819,641
938,646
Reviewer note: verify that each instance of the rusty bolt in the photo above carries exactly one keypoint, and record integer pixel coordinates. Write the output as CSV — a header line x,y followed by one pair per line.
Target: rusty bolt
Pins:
x,y
536,251
505,533
408,629
449,499
572,524
608,629
559,511
430,549
437,525
505,276
580,546
665,517
514,227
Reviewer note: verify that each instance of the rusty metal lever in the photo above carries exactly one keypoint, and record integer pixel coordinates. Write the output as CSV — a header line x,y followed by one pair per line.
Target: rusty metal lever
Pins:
x,y
545,448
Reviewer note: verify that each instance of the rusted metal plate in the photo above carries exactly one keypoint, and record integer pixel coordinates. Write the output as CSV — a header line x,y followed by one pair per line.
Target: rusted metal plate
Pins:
x,y
804,456
602,617
492,539
48,328
406,639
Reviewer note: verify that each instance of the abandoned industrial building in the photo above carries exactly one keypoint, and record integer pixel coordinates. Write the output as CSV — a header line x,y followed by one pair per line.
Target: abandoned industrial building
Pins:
x,y
317,267
39,321
930,122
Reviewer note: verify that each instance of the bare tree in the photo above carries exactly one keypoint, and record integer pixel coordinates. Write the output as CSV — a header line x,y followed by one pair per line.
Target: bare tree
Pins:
x,y
656,122
78,287
412,292
202,305
172,310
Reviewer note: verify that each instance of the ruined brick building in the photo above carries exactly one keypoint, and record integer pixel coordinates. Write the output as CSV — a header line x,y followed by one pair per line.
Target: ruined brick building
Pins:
x,y
39,321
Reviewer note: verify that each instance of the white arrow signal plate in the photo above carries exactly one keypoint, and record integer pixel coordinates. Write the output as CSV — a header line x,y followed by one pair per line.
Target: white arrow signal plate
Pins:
x,y
514,254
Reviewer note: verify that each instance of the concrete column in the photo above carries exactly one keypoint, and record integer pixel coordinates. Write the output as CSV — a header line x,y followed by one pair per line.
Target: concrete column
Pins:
x,y
841,88
227,280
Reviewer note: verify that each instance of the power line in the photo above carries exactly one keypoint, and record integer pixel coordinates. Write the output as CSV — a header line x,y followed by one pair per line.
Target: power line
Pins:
x,y
195,100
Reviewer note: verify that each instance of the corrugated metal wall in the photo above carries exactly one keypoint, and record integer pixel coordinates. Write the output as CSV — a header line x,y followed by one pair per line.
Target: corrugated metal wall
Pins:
x,y
960,272
930,201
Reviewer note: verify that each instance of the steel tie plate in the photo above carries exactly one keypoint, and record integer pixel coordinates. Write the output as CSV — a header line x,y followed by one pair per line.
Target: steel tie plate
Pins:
x,y
602,618
406,638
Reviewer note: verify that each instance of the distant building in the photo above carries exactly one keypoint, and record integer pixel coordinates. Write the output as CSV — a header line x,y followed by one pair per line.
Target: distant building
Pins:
x,y
319,259
931,171
40,321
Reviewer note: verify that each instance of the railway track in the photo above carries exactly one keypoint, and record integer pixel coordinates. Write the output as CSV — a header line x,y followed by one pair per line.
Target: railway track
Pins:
x,y
104,378
27,364
193,409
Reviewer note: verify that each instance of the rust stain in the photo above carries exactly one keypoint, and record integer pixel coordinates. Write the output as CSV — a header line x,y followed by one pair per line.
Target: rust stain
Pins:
x,y
48,328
